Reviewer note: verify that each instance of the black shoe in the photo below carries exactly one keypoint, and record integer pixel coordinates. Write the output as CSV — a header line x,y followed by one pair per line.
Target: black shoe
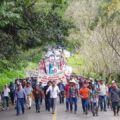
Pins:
x,y
53,112
71,111
17,114
114,114
86,112
96,114
75,112
93,114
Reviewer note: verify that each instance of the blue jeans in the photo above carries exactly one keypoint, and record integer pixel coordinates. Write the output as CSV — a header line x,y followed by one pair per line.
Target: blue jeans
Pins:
x,y
116,107
6,102
61,97
37,104
47,103
102,102
20,104
85,104
53,104
67,104
73,102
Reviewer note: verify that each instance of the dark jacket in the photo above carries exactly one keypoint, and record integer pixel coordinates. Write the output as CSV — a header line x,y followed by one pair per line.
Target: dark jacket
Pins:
x,y
115,95
47,96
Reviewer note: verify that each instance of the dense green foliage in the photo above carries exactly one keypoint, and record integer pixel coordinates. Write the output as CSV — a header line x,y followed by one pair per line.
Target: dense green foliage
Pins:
x,y
23,27
98,32
27,27
90,29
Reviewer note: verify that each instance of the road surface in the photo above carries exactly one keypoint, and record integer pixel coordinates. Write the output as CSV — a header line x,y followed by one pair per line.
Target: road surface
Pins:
x,y
60,115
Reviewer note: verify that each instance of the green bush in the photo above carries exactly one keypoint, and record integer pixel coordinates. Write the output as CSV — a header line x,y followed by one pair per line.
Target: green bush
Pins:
x,y
3,80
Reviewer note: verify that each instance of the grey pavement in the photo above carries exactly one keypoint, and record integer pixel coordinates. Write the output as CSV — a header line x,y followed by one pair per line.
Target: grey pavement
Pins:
x,y
60,115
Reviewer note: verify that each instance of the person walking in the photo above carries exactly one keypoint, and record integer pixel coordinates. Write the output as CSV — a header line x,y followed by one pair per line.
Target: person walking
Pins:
x,y
67,95
6,92
28,90
12,92
61,95
47,96
20,97
108,96
37,94
73,92
54,91
42,89
115,98
94,101
84,94
102,95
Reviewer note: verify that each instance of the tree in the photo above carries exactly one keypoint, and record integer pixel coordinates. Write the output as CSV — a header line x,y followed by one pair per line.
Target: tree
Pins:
x,y
97,31
30,28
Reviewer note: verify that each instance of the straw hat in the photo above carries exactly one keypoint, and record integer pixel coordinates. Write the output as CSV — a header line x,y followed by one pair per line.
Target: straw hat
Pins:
x,y
73,81
91,79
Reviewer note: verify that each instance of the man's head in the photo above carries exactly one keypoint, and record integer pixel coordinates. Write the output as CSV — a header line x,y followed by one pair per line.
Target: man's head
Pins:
x,y
61,81
11,83
6,86
40,83
28,84
72,82
108,85
101,82
85,85
19,86
24,81
53,83
114,85
96,81
49,83
17,81
37,87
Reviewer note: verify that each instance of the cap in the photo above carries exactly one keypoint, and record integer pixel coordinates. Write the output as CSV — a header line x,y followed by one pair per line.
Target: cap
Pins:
x,y
113,81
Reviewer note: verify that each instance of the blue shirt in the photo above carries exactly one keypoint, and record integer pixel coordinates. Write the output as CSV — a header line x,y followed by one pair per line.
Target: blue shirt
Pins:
x,y
21,93
61,87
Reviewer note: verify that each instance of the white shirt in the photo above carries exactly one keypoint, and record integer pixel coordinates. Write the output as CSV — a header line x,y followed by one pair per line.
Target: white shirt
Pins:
x,y
103,90
6,92
54,91
28,90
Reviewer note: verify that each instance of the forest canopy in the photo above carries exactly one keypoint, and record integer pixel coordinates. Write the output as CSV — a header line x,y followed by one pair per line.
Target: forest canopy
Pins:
x,y
90,29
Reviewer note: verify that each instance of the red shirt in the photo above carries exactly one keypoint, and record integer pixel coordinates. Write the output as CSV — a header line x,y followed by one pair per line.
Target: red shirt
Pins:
x,y
67,87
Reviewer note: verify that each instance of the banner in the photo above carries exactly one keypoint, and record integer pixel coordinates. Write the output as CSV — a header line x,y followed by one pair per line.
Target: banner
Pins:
x,y
44,79
68,70
52,67
32,73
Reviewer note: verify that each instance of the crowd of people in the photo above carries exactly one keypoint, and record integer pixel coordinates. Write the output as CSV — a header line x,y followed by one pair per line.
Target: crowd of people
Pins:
x,y
95,95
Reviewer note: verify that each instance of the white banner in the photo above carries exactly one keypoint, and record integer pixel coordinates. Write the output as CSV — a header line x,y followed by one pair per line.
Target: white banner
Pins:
x,y
32,73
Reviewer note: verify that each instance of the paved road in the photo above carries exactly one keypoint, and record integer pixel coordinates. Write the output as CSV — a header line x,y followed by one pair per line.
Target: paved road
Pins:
x,y
60,115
